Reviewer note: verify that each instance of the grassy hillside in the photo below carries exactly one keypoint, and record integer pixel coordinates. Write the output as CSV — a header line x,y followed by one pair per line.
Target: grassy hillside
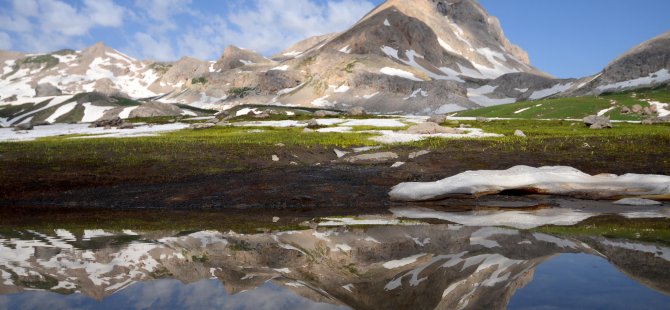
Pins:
x,y
574,108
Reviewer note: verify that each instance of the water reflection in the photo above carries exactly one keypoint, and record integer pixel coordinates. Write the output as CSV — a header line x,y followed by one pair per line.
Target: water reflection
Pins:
x,y
417,267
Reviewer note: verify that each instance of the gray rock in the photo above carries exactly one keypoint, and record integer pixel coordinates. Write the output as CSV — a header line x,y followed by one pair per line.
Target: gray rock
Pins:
x,y
519,133
482,119
111,122
312,124
597,122
340,153
625,110
437,119
324,113
418,154
356,111
24,126
41,123
431,128
637,108
47,89
373,158
126,126
201,125
11,98
647,111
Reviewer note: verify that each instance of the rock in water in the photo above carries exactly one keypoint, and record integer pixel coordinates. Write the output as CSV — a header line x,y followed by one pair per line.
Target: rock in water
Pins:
x,y
373,158
597,122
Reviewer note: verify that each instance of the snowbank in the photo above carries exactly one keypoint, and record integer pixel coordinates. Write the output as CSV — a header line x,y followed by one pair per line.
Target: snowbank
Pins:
x,y
549,180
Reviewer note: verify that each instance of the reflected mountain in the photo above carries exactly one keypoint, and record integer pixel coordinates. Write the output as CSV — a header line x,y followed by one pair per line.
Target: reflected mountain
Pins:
x,y
417,267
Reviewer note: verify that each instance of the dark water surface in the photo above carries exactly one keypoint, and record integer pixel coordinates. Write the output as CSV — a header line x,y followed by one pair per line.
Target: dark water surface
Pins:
x,y
378,267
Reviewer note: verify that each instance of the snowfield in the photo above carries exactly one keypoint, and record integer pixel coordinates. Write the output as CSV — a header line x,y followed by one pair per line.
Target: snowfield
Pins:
x,y
548,180
7,134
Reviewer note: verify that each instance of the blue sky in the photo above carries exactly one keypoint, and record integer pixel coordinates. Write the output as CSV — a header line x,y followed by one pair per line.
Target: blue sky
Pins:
x,y
567,38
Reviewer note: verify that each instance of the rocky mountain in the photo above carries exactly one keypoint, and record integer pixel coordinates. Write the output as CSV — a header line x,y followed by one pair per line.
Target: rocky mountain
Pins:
x,y
405,56
450,266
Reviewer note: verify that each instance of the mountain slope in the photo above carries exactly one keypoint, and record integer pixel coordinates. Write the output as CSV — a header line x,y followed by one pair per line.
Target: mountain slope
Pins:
x,y
405,56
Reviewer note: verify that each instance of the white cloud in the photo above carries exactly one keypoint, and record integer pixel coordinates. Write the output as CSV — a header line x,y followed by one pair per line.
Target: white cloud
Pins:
x,y
105,12
5,41
44,25
155,49
167,29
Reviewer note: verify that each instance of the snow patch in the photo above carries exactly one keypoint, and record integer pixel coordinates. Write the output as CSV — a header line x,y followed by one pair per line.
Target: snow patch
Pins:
x,y
403,262
400,73
551,180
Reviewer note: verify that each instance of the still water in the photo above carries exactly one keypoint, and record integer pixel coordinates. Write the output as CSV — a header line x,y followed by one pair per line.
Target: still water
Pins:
x,y
383,267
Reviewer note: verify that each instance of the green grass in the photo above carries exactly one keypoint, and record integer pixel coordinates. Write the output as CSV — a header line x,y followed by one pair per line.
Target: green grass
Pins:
x,y
200,80
573,108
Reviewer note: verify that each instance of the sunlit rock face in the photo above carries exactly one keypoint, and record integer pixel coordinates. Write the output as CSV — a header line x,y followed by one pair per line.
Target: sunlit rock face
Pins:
x,y
449,266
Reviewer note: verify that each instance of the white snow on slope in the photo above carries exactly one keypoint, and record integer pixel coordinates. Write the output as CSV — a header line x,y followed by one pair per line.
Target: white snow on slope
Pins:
x,y
479,96
402,262
345,50
551,180
558,88
62,110
280,68
93,112
604,111
412,55
400,73
657,77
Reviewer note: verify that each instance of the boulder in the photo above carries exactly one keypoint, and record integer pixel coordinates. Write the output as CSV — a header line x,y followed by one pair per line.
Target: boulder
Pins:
x,y
47,89
324,113
519,133
107,122
429,128
40,123
373,158
637,108
625,110
312,124
482,119
126,126
356,111
437,119
653,109
597,122
647,111
201,125
11,98
24,126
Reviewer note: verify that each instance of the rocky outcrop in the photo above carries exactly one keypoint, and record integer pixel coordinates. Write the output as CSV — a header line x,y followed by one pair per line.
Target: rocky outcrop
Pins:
x,y
153,108
234,57
46,89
